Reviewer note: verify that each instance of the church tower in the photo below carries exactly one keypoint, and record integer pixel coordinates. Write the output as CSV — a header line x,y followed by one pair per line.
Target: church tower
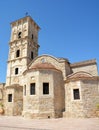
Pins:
x,y
23,48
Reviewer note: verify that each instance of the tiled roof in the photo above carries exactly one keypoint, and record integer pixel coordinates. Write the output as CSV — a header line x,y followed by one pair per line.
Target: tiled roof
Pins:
x,y
41,66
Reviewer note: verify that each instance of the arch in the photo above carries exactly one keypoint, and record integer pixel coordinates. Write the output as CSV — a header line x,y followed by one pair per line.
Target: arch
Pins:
x,y
42,56
80,74
58,63
19,34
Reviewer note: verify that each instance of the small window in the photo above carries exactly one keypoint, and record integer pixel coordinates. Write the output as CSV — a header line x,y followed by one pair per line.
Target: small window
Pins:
x,y
16,71
9,97
32,89
32,36
17,53
76,94
45,88
24,90
32,55
19,34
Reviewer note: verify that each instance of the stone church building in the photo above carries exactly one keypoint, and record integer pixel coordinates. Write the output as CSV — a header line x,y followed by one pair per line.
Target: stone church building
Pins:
x,y
45,86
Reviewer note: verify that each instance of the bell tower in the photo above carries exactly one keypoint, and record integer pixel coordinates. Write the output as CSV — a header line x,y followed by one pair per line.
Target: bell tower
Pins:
x,y
23,48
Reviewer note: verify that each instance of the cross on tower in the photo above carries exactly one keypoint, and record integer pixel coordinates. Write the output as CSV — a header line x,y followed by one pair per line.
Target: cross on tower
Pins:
x,y
26,13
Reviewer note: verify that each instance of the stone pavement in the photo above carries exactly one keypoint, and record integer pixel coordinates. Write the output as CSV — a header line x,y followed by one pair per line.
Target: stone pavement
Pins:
x,y
20,123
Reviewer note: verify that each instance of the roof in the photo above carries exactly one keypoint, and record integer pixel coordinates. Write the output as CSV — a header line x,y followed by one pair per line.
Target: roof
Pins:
x,y
43,66
45,56
83,63
40,66
81,75
95,78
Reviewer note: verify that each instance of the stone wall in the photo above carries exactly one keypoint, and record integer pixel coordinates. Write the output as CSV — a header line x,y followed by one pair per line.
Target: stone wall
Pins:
x,y
43,105
89,66
14,107
59,95
89,98
73,108
9,106
2,93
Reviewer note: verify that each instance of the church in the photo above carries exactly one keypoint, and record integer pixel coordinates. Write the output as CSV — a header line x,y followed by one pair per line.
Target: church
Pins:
x,y
46,86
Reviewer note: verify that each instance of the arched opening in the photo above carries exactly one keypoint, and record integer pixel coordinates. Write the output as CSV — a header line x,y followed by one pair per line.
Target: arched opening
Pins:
x,y
19,34
16,71
17,53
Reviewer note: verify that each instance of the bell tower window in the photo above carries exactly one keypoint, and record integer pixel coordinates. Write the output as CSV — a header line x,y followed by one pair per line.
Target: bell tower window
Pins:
x,y
19,34
16,71
17,53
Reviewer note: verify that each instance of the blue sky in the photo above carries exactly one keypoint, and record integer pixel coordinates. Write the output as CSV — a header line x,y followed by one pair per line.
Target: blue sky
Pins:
x,y
69,28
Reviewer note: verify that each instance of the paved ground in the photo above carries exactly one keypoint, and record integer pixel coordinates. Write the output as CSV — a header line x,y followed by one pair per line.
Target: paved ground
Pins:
x,y
19,123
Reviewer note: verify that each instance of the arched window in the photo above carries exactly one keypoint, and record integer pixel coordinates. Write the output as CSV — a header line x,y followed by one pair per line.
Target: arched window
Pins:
x,y
19,34
17,53
16,71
